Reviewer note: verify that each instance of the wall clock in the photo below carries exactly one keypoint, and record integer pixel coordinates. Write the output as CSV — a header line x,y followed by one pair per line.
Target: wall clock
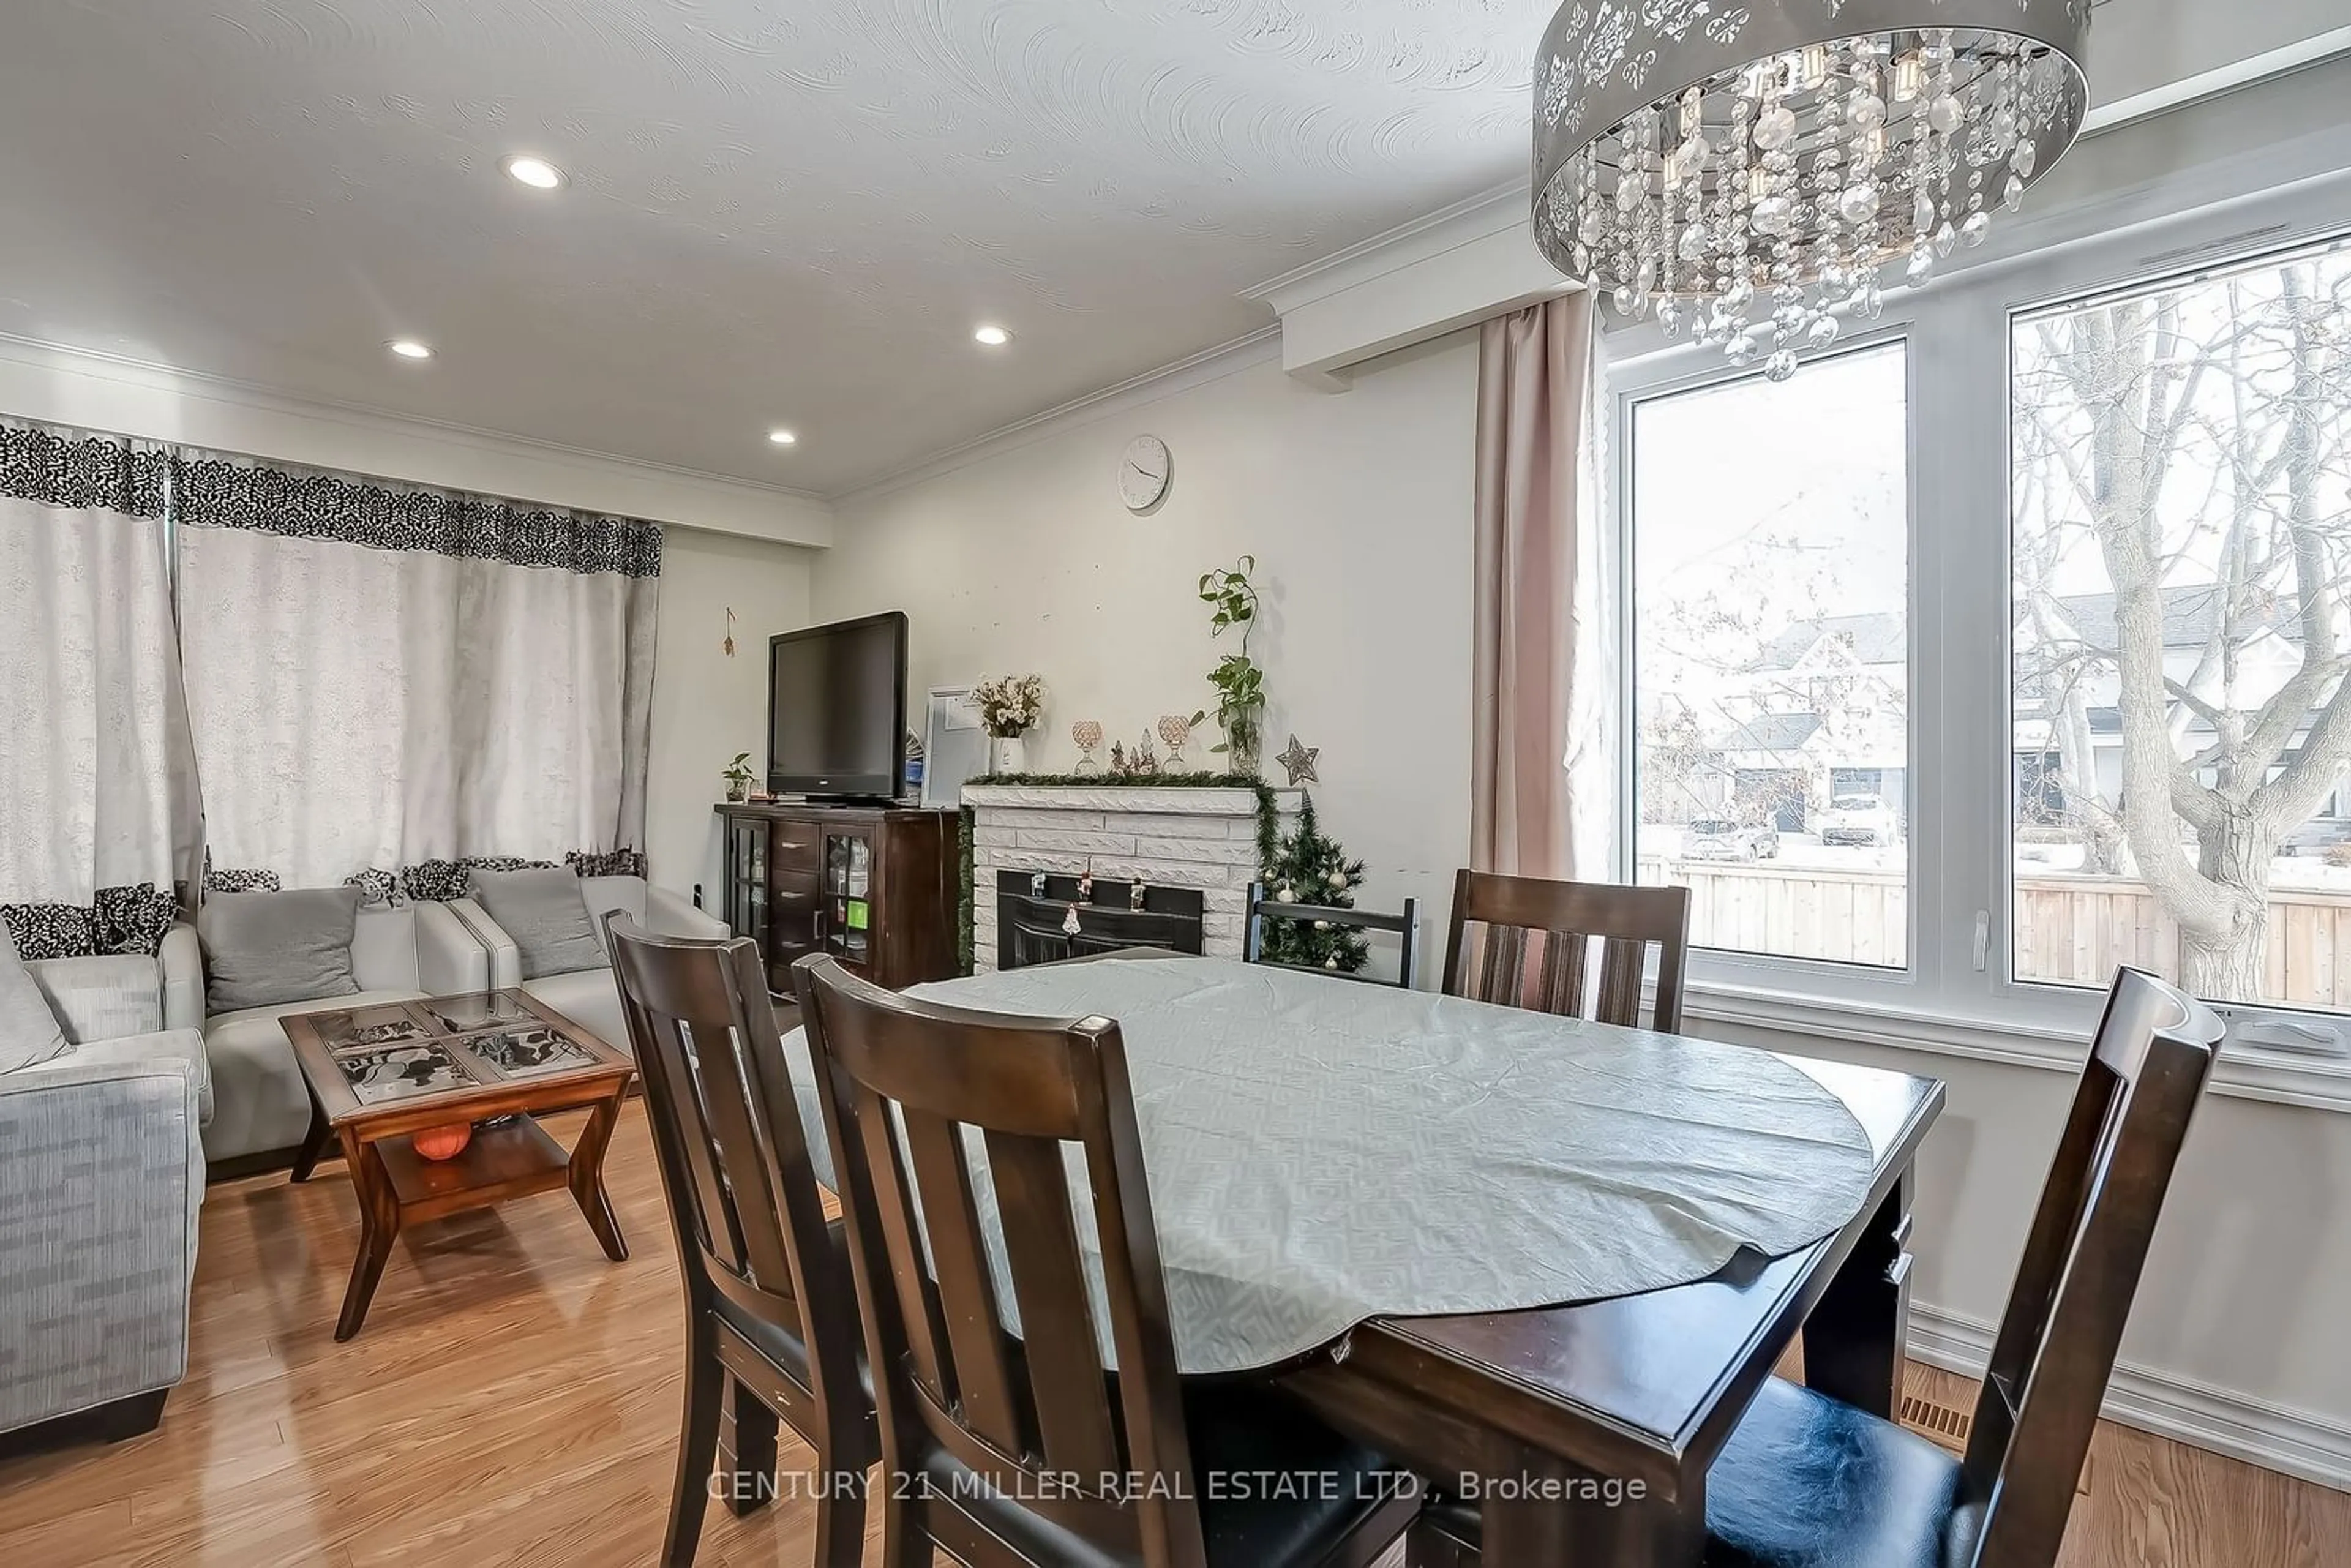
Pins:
x,y
1143,471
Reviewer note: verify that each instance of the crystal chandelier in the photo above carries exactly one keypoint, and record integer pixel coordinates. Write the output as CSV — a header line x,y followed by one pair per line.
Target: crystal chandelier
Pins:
x,y
1798,145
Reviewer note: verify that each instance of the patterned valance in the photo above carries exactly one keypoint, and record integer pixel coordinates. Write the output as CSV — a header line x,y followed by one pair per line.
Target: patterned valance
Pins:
x,y
215,493
62,468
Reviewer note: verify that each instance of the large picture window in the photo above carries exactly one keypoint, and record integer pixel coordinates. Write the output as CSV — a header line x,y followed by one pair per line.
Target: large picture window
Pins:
x,y
2180,482
1769,537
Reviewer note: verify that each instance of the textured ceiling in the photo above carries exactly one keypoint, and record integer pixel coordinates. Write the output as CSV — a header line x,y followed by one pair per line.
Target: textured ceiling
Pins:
x,y
781,212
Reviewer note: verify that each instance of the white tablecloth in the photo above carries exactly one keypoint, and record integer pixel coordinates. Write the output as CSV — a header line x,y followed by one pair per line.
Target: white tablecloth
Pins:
x,y
1321,1152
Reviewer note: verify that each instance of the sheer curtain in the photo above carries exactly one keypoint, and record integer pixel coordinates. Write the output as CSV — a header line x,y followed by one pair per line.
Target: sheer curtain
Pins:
x,y
97,798
388,683
1546,674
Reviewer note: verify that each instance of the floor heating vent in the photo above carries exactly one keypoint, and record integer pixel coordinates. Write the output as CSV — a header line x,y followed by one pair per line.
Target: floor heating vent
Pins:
x,y
1948,1427
1943,1424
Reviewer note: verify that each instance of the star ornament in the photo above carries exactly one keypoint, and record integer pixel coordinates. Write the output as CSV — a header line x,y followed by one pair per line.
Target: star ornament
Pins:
x,y
1298,760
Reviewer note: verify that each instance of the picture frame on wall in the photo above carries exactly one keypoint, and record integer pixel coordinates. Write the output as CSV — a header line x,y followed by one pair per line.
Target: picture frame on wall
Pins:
x,y
954,746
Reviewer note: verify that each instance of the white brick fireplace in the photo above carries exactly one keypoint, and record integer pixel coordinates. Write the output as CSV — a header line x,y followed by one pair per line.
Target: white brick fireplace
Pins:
x,y
1195,837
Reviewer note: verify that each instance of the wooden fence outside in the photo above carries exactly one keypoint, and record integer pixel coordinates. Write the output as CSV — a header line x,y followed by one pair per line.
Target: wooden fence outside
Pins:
x,y
2073,930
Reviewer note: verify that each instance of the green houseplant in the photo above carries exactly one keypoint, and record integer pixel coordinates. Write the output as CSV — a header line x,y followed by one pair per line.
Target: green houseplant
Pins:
x,y
1241,684
738,775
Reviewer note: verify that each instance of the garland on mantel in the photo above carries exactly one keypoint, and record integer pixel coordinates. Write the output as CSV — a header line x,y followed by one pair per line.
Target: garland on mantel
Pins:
x,y
1269,828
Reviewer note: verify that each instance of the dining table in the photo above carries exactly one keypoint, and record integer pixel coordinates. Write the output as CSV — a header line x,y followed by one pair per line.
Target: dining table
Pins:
x,y
1581,1418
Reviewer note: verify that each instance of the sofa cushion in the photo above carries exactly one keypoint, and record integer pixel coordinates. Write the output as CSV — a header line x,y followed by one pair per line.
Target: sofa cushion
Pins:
x,y
383,948
546,915
259,1101
29,1030
262,948
588,997
102,996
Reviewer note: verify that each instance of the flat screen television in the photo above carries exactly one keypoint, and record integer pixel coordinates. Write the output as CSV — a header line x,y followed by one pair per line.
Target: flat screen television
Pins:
x,y
837,709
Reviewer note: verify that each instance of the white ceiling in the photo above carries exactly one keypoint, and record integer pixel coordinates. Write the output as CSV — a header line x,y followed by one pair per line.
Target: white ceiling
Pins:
x,y
781,212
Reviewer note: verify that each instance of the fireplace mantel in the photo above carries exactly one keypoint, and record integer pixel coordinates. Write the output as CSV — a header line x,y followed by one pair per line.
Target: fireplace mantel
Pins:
x,y
1196,836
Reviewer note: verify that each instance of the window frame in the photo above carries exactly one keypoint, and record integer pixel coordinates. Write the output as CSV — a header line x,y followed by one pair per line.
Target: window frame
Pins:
x,y
1960,992
1629,392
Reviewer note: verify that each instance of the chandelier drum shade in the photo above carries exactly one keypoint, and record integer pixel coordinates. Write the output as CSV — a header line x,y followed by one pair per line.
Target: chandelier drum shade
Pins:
x,y
1743,168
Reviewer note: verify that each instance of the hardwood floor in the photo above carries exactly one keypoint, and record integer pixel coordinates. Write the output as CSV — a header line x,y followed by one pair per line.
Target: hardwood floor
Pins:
x,y
514,1398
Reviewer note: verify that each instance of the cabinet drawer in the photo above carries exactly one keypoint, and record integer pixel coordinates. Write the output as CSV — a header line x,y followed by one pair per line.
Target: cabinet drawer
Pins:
x,y
794,847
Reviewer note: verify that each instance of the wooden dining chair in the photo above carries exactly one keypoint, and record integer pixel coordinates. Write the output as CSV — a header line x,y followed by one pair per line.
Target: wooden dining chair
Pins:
x,y
1806,1480
1026,1450
770,1301
1404,926
1524,919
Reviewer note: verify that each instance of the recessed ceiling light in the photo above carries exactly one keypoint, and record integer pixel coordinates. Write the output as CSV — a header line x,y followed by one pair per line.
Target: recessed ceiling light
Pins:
x,y
537,172
409,348
782,437
993,336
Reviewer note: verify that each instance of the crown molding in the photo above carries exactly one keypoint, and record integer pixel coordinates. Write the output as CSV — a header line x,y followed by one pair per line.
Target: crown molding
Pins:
x,y
92,388
1151,386
1490,210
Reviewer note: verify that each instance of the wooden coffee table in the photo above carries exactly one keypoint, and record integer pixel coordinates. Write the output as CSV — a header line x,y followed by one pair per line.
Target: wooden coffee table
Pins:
x,y
382,1072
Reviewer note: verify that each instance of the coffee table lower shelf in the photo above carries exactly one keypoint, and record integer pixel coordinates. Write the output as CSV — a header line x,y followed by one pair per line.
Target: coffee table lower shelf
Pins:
x,y
513,1160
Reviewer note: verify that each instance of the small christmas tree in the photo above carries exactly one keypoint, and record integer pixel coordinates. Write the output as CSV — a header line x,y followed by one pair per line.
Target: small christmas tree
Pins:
x,y
1308,868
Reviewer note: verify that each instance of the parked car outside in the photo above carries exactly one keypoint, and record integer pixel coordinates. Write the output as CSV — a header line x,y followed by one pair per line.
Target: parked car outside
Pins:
x,y
1721,838
1859,819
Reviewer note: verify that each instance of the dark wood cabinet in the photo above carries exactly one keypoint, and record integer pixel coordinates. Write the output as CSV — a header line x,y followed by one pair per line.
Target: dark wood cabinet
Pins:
x,y
873,885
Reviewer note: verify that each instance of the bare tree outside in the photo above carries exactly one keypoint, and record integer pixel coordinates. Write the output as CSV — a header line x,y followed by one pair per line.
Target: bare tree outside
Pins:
x,y
2182,595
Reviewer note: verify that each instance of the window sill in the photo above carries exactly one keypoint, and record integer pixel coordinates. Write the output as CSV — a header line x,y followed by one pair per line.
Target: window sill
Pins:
x,y
2243,1073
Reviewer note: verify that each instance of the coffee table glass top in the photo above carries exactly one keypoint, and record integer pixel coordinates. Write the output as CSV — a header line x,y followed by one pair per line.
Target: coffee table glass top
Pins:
x,y
377,1073
392,1054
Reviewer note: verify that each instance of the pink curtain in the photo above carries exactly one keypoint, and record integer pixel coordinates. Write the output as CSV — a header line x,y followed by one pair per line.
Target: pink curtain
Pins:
x,y
1542,776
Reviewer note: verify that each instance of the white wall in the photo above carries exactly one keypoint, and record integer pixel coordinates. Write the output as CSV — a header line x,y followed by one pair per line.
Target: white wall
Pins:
x,y
1020,557
707,705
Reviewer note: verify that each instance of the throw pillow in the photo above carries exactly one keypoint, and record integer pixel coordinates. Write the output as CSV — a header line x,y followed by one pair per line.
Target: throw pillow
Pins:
x,y
264,948
546,914
30,1032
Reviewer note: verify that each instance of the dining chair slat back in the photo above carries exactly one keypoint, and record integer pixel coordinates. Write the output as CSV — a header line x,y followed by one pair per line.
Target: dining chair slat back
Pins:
x,y
1263,913
1498,921
761,1262
903,1084
2147,1069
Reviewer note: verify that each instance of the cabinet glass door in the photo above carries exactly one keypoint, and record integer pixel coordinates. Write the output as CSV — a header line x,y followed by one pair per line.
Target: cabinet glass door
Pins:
x,y
848,895
746,878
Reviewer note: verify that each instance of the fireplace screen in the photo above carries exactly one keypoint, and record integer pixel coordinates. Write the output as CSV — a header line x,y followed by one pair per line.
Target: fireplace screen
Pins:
x,y
1035,930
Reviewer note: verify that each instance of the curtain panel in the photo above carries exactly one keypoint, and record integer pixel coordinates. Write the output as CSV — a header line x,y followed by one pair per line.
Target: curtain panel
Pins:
x,y
1545,672
389,684
97,787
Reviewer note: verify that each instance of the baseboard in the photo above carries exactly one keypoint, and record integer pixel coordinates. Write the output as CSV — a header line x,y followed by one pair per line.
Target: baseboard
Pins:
x,y
2278,1438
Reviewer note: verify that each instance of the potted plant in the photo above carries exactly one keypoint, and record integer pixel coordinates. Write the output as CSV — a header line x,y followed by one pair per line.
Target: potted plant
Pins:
x,y
1241,684
738,778
1009,706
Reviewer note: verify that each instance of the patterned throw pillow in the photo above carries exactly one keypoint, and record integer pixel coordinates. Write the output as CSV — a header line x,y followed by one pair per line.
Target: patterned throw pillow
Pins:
x,y
376,885
606,863
48,930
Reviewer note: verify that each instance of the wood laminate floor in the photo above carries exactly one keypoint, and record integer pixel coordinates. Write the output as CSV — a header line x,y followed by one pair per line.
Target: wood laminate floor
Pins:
x,y
514,1399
